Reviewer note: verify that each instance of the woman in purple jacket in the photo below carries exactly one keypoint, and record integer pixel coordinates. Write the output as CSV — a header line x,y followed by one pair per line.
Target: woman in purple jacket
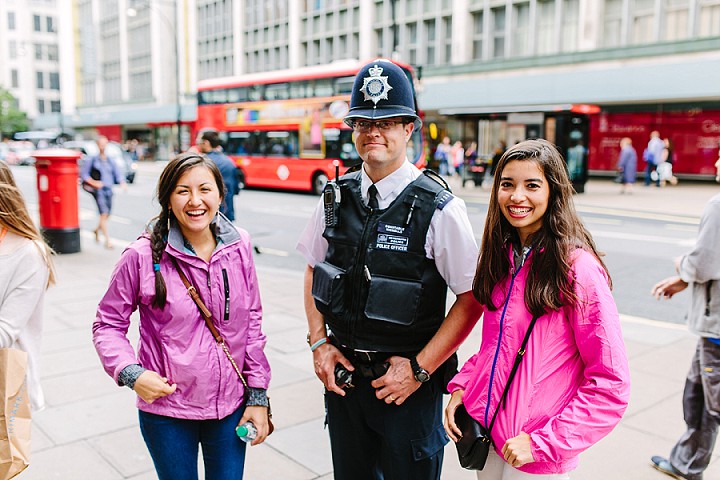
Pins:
x,y
538,260
188,391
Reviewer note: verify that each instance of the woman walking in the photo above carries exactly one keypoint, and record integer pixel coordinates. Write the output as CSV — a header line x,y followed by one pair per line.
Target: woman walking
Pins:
x,y
26,271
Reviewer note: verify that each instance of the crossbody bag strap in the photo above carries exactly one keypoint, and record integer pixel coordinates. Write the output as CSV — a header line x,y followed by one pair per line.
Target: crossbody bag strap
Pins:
x,y
518,358
207,316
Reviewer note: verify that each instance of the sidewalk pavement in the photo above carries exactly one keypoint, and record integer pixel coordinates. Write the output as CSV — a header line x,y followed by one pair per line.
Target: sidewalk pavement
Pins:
x,y
90,428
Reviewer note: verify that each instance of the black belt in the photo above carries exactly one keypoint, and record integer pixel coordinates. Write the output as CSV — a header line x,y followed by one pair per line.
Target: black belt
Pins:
x,y
369,364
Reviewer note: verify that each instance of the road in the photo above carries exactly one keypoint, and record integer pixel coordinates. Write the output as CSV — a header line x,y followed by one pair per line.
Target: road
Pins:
x,y
638,248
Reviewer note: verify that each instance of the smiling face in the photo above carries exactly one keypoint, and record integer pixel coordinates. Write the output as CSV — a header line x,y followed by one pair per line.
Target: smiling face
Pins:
x,y
195,201
523,196
383,150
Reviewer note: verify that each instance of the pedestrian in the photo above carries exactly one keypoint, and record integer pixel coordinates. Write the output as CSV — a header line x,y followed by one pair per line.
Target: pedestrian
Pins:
x,y
101,173
497,155
539,262
653,156
442,156
457,153
209,144
700,269
26,271
380,259
627,165
665,168
188,390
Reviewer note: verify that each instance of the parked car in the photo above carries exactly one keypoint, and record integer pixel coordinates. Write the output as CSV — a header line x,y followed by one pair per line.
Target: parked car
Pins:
x,y
113,150
18,153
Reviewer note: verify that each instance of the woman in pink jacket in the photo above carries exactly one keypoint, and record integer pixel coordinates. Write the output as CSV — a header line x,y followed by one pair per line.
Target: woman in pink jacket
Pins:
x,y
537,259
189,393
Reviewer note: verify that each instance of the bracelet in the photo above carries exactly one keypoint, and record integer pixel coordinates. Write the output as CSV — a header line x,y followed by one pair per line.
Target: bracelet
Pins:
x,y
317,344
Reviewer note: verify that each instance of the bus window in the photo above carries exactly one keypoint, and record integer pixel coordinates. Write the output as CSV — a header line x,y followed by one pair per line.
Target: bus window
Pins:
x,y
237,143
277,91
323,87
343,85
299,89
339,144
283,144
255,93
238,94
220,96
271,144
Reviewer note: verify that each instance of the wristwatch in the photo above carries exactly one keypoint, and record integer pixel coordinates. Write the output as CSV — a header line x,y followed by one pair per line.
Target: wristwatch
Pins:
x,y
421,375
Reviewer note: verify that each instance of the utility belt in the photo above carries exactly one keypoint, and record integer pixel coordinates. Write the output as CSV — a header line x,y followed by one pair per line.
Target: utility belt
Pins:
x,y
370,365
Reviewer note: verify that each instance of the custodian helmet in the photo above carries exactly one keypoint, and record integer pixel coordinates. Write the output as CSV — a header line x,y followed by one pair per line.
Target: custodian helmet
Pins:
x,y
382,90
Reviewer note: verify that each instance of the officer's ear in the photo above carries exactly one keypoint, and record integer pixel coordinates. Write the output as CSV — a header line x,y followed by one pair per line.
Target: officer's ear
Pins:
x,y
409,127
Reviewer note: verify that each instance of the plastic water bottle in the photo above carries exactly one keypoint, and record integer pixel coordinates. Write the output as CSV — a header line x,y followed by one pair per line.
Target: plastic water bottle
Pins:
x,y
247,432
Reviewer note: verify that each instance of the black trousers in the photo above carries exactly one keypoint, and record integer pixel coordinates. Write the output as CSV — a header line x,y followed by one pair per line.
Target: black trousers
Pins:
x,y
701,408
372,440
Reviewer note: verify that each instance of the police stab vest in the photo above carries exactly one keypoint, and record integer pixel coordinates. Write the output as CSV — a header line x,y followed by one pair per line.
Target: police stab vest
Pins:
x,y
376,289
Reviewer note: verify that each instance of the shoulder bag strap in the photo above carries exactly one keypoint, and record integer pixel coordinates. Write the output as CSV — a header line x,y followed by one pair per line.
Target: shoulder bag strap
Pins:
x,y
518,358
207,316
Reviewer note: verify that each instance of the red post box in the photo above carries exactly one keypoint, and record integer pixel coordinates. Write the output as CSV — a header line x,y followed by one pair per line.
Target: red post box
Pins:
x,y
57,184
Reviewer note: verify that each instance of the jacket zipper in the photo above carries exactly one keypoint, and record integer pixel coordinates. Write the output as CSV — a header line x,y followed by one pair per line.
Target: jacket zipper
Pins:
x,y
513,273
227,295
708,286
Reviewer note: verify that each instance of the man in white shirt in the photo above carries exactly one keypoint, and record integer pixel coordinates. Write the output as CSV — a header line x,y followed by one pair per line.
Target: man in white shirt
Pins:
x,y
382,247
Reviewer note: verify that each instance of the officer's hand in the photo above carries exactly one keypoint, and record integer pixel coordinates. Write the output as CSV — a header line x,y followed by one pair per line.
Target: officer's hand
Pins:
x,y
398,383
451,427
325,357
150,386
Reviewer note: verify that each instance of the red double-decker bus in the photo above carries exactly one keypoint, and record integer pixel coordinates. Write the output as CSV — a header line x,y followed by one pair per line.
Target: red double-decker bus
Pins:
x,y
284,129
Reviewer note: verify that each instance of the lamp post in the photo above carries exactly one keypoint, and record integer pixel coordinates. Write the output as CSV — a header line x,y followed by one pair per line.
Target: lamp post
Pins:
x,y
132,12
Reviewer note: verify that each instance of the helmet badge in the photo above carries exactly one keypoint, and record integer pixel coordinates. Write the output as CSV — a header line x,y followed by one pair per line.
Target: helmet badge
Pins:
x,y
375,87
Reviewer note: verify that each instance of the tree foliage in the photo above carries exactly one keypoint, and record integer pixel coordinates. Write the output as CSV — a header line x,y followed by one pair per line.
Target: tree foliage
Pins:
x,y
11,119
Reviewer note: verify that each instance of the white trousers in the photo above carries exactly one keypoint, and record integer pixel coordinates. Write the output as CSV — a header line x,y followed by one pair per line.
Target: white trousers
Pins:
x,y
496,468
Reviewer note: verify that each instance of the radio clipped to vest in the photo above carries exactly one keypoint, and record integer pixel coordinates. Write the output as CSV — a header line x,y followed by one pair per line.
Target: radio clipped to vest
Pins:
x,y
331,200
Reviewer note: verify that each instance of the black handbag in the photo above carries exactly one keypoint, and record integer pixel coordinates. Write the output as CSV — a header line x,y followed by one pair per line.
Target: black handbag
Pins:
x,y
474,445
95,175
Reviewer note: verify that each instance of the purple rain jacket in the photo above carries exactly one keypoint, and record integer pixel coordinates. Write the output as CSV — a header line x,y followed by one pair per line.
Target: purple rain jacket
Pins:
x,y
174,341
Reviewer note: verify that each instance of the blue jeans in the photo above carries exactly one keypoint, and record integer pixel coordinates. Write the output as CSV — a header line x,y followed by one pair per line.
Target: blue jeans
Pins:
x,y
173,445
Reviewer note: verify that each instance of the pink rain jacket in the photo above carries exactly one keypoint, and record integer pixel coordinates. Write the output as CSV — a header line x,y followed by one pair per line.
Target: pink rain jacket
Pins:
x,y
174,341
572,387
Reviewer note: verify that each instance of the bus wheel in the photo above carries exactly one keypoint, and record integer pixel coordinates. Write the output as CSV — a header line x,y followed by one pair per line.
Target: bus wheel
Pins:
x,y
318,183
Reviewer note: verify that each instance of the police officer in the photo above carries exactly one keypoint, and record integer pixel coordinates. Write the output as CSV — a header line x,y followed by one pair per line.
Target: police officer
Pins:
x,y
382,247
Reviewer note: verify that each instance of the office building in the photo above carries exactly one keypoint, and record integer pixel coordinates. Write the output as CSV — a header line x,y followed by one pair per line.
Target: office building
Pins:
x,y
578,72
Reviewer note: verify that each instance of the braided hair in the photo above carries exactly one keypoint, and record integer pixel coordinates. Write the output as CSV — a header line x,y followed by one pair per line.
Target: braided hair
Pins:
x,y
159,226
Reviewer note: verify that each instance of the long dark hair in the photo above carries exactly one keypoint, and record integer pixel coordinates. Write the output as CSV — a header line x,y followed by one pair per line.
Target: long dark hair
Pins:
x,y
549,286
160,225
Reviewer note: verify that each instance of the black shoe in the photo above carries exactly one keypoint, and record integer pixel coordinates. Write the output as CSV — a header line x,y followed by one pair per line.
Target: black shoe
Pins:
x,y
664,466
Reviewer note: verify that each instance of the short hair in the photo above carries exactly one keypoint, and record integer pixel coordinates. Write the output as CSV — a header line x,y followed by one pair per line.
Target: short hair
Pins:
x,y
212,137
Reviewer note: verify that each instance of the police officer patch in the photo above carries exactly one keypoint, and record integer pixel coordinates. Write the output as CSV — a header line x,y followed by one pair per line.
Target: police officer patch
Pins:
x,y
375,87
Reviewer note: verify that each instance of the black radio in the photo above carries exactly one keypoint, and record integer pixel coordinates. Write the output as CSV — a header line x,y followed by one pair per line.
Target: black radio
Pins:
x,y
331,200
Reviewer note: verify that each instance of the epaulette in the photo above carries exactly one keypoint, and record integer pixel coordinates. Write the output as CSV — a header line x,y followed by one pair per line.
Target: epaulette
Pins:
x,y
354,168
443,198
432,174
